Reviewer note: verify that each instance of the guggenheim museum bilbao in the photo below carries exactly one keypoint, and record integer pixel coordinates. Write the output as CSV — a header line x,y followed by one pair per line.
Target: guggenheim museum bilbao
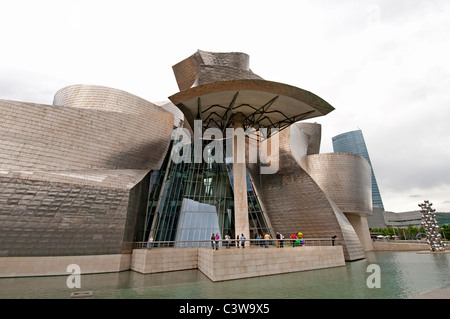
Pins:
x,y
101,169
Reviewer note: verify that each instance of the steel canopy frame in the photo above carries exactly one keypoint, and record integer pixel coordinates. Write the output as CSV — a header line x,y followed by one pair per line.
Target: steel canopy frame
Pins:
x,y
263,104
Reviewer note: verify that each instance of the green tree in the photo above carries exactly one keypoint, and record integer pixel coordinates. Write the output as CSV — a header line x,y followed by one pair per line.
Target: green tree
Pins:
x,y
445,232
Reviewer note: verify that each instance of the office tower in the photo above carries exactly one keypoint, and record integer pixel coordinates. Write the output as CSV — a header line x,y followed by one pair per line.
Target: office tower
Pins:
x,y
353,142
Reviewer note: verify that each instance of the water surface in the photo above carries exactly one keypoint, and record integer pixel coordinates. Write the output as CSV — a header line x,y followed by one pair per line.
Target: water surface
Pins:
x,y
402,275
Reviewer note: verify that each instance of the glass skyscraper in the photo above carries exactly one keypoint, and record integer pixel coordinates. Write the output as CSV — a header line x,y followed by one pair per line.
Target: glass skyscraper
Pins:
x,y
353,142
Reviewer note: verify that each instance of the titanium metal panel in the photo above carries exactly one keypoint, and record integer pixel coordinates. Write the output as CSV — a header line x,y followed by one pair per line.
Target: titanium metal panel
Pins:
x,y
73,174
345,178
296,203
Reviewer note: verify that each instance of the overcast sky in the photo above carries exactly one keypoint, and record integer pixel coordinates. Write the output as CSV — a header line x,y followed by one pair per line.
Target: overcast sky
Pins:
x,y
383,64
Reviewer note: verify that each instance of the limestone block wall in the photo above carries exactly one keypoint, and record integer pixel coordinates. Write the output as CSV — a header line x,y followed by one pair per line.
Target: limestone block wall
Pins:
x,y
164,259
54,266
228,264
399,246
244,263
218,265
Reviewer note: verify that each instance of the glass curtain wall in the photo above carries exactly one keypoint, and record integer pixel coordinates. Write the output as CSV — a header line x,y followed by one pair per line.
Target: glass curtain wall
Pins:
x,y
353,142
192,201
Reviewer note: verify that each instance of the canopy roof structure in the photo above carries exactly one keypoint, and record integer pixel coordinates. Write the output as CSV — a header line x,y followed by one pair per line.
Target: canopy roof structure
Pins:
x,y
263,104
216,86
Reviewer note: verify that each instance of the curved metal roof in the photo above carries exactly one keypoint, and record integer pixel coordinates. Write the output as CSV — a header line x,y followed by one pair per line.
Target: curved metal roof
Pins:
x,y
263,104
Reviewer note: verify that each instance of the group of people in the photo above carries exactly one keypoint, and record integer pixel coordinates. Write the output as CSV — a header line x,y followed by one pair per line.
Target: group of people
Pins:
x,y
266,237
262,240
296,240
216,238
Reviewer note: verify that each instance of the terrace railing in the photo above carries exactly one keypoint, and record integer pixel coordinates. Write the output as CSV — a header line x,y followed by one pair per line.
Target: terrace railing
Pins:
x,y
233,243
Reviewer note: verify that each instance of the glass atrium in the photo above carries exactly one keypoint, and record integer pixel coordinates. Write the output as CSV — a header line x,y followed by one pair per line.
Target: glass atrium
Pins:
x,y
191,201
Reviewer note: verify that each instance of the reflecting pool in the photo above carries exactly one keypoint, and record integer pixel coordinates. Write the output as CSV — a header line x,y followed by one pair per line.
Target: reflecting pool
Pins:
x,y
402,275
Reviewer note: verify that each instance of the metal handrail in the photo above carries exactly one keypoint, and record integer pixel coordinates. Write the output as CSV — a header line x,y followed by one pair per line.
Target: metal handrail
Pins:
x,y
253,243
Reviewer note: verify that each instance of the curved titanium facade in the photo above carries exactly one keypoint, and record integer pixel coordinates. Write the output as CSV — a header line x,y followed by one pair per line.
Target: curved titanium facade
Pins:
x,y
296,203
345,178
92,173
314,133
102,98
74,175
100,128
206,67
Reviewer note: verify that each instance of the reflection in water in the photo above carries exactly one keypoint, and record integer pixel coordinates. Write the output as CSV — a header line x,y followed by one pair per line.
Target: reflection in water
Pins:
x,y
403,274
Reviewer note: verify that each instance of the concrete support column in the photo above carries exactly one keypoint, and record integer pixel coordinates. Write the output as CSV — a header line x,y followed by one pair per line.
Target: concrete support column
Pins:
x,y
361,227
240,179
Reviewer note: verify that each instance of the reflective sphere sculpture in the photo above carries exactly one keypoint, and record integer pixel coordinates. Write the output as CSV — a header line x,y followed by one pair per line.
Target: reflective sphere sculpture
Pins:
x,y
431,226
